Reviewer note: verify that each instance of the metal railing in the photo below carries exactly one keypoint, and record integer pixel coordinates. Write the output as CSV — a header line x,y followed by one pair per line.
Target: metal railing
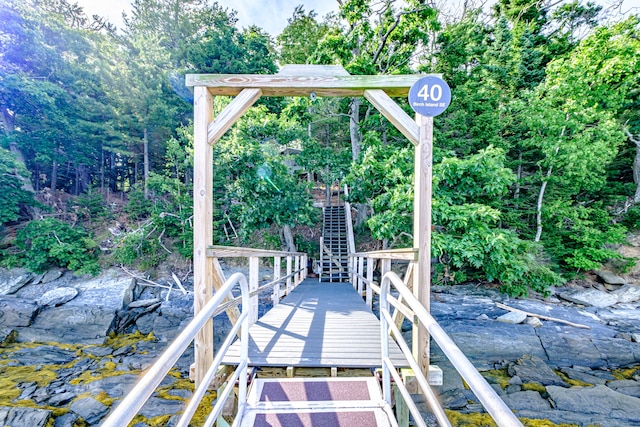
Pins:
x,y
128,408
493,404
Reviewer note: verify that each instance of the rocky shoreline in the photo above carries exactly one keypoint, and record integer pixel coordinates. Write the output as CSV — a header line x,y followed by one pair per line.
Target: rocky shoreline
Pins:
x,y
58,363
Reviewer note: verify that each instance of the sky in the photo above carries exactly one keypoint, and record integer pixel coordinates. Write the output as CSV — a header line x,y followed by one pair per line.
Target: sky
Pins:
x,y
270,15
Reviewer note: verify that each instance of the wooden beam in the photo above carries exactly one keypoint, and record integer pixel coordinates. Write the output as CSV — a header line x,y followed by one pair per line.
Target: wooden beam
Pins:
x,y
202,226
403,254
396,115
239,252
302,85
218,279
422,234
231,113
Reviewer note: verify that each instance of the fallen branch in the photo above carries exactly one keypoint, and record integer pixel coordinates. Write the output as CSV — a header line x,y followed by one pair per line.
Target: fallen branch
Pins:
x,y
540,316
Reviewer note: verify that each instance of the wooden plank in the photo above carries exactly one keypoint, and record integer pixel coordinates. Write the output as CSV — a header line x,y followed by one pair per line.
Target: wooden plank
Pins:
x,y
202,226
312,70
236,252
232,112
403,254
318,325
396,115
422,235
303,85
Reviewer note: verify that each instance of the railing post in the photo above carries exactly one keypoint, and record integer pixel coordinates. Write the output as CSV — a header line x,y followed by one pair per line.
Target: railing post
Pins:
x,y
254,272
297,280
277,271
370,265
360,275
352,269
289,267
321,259
305,264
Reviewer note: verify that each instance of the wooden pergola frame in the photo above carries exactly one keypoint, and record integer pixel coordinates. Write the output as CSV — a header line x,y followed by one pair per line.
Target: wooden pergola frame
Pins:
x,y
300,80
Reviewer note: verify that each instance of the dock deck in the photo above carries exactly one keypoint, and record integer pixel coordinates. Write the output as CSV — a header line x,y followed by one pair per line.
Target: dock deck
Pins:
x,y
318,325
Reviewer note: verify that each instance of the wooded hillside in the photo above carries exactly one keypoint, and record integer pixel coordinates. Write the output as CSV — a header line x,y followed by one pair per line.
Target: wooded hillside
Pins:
x,y
536,161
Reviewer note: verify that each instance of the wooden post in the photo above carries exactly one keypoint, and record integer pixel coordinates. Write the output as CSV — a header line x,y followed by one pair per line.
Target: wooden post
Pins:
x,y
289,267
277,271
369,299
254,274
360,275
297,280
202,226
422,234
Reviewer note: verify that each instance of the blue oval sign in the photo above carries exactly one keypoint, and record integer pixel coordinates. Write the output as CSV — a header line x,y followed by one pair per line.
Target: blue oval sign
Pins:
x,y
430,96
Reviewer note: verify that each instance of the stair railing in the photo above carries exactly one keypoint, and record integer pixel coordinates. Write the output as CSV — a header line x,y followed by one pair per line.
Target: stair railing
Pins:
x,y
412,308
128,408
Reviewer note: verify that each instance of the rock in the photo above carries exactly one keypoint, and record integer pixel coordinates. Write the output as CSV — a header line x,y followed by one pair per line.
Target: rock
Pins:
x,y
8,336
635,337
89,409
11,281
57,297
19,416
534,322
591,297
67,420
116,387
512,317
44,354
585,377
599,400
533,369
97,351
529,400
628,293
61,399
610,278
628,387
48,276
16,312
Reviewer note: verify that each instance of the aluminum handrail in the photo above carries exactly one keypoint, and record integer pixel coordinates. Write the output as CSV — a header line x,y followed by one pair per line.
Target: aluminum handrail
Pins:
x,y
490,400
128,408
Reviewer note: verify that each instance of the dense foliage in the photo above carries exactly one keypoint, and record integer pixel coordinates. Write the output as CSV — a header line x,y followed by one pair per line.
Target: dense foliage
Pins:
x,y
536,161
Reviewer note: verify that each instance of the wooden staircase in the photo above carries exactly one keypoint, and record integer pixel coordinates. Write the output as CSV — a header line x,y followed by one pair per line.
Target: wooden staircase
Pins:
x,y
302,402
334,262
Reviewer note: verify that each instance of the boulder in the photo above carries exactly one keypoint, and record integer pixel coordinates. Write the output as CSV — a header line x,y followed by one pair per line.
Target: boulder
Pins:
x,y
526,400
610,278
592,297
48,276
8,336
57,297
16,312
12,280
19,416
513,317
628,387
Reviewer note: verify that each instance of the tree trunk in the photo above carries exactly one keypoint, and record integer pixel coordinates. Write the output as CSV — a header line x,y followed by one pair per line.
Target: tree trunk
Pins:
x,y
289,242
516,193
354,130
636,166
54,177
146,162
8,124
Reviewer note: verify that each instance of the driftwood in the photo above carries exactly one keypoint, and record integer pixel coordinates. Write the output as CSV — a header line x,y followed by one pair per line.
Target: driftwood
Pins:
x,y
540,316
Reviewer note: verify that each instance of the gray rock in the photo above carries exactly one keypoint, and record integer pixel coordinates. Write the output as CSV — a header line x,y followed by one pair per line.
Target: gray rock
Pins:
x,y
97,351
566,347
156,407
512,317
628,387
610,278
592,297
61,398
44,354
530,400
628,294
599,400
89,409
534,322
533,369
66,420
47,276
18,416
582,376
117,386
16,312
12,280
635,337
57,297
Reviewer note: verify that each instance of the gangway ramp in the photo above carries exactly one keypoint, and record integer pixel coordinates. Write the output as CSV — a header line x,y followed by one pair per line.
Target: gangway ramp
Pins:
x,y
317,325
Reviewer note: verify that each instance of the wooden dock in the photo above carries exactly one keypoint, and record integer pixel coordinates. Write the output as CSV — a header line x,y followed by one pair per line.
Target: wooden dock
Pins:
x,y
317,325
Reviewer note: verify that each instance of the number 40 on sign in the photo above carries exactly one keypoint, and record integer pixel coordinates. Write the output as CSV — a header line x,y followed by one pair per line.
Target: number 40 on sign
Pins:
x,y
429,96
